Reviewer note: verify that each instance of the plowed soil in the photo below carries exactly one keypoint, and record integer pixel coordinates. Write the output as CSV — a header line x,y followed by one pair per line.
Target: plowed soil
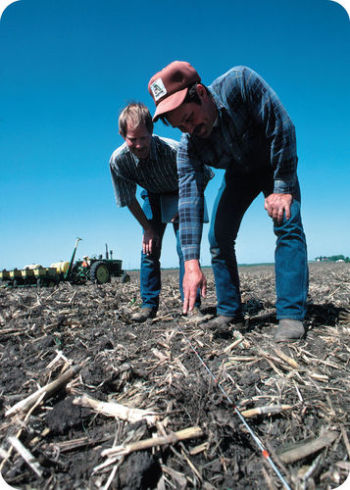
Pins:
x,y
158,366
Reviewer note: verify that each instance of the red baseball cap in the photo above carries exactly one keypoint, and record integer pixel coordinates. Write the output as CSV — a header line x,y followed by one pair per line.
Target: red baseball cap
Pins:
x,y
169,86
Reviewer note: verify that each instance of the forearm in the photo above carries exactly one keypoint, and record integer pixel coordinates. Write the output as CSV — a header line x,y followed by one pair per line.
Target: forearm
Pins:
x,y
136,210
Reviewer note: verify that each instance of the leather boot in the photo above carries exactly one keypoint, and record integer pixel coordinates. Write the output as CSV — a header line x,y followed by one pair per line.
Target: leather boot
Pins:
x,y
289,330
223,325
143,314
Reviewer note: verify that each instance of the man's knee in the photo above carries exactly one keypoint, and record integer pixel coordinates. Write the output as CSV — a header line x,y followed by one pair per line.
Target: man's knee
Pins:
x,y
215,252
152,257
222,249
292,226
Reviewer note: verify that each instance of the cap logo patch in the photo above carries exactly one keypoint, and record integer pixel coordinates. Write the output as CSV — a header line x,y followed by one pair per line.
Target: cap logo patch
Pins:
x,y
158,89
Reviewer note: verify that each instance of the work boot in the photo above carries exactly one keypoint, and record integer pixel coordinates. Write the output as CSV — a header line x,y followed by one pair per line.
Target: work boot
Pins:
x,y
195,315
223,325
289,330
143,314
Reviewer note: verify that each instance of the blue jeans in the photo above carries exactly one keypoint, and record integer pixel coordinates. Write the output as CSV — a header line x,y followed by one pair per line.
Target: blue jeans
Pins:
x,y
235,195
150,276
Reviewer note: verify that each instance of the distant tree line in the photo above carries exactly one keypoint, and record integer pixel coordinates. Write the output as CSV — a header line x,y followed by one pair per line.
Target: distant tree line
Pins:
x,y
333,258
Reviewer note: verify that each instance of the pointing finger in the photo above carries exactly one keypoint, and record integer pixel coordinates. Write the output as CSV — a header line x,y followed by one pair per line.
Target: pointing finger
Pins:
x,y
185,305
192,299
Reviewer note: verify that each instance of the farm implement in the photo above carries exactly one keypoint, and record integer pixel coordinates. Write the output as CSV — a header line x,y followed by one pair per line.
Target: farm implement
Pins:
x,y
96,269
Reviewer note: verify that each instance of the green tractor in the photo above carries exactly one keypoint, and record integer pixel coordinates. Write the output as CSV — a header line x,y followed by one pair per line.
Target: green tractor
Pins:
x,y
97,269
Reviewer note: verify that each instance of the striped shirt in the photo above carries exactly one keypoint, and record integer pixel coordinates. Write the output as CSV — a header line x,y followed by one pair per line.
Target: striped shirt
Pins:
x,y
253,131
156,174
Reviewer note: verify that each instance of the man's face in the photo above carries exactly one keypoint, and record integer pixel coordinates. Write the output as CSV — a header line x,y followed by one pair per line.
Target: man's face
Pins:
x,y
138,140
195,119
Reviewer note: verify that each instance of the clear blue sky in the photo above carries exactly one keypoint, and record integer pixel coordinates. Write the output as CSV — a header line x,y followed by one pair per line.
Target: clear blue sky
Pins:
x,y
68,67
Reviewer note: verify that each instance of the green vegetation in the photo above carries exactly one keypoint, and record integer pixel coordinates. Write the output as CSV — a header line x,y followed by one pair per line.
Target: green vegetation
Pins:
x,y
333,258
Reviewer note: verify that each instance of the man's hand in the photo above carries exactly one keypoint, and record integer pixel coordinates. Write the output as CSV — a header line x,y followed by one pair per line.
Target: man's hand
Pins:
x,y
278,204
193,279
149,240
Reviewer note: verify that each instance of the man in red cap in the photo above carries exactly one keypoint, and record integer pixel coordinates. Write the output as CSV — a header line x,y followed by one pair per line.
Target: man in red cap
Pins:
x,y
237,124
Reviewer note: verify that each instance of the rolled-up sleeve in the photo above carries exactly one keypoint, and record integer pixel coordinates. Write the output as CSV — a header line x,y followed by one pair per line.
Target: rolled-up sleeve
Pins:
x,y
124,189
279,130
192,181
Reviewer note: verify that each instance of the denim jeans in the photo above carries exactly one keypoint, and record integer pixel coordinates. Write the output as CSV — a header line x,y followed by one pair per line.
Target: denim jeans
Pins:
x,y
235,195
150,276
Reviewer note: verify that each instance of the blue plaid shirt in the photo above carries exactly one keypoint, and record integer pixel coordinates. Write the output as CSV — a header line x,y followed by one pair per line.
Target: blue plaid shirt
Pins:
x,y
252,131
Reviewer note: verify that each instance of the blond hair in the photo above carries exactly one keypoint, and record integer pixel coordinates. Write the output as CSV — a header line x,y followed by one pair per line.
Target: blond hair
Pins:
x,y
135,114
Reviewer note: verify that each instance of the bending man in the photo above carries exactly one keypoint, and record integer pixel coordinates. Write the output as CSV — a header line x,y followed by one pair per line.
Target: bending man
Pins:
x,y
149,161
237,124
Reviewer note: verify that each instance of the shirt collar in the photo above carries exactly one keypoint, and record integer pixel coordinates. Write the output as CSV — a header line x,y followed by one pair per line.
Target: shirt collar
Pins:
x,y
218,102
221,108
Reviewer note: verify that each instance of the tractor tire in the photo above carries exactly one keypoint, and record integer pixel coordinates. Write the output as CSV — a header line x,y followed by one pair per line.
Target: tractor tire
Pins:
x,y
125,278
100,273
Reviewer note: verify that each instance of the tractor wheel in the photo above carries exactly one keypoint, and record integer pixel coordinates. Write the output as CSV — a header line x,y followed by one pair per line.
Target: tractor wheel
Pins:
x,y
99,273
125,278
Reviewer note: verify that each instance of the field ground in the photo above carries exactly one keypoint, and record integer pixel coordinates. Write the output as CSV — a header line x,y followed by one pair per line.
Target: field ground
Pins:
x,y
85,332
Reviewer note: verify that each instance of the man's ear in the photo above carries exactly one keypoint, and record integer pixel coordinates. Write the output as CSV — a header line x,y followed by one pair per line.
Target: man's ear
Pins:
x,y
202,93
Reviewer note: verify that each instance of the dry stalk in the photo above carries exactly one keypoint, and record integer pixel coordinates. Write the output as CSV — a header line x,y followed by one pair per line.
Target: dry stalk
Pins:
x,y
273,366
312,468
303,450
267,410
42,392
113,409
58,357
26,455
287,359
191,465
181,435
112,475
319,377
233,345
199,449
298,392
232,359
66,446
164,318
279,360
